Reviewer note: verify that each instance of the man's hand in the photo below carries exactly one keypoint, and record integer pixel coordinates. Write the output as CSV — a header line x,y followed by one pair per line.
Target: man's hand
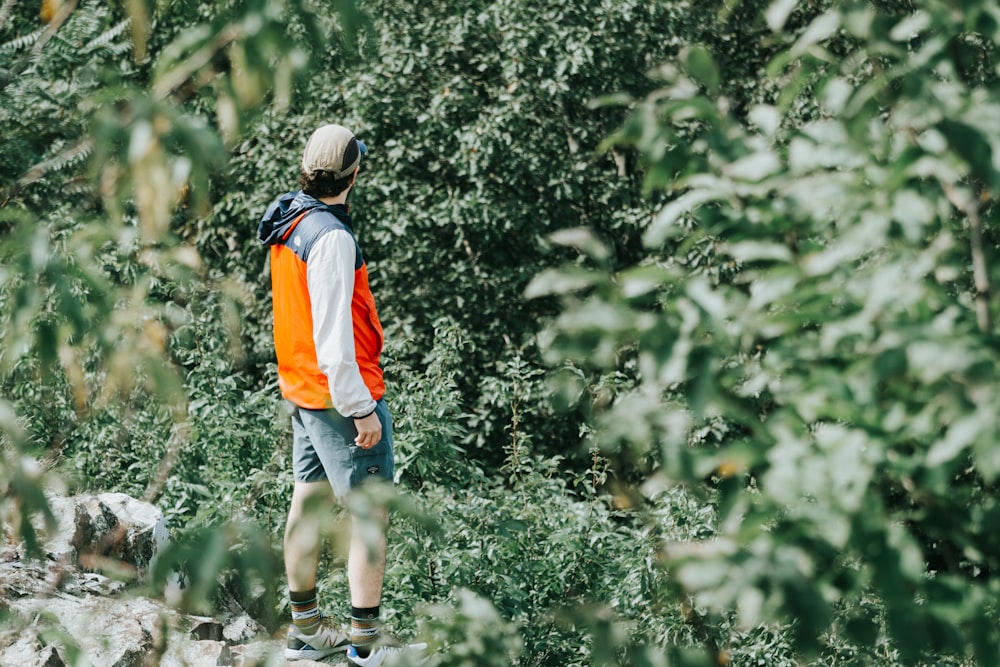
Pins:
x,y
369,431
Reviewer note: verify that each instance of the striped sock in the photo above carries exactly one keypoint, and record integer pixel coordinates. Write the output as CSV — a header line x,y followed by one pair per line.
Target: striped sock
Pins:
x,y
305,611
364,629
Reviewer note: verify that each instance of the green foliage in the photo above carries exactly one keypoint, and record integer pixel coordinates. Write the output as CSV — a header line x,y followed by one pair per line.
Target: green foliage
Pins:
x,y
847,341
196,470
103,369
193,568
471,633
537,554
469,166
789,363
484,154
427,415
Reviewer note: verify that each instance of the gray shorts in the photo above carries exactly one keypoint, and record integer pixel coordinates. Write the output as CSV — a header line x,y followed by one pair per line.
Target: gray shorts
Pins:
x,y
323,448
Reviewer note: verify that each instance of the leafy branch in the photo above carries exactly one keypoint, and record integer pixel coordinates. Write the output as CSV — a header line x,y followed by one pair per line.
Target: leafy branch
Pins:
x,y
60,17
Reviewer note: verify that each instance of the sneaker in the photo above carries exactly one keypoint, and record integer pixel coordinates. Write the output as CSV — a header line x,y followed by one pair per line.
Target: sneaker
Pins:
x,y
381,654
315,646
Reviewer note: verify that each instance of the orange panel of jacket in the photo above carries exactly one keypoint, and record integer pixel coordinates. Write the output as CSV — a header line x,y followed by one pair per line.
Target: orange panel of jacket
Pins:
x,y
299,376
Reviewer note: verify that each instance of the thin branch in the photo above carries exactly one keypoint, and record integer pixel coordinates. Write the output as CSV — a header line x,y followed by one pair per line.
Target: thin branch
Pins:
x,y
42,168
176,78
179,434
979,270
970,207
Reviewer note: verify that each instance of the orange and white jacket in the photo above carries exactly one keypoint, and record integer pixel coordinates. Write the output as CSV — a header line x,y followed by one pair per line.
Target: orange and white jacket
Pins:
x,y
327,334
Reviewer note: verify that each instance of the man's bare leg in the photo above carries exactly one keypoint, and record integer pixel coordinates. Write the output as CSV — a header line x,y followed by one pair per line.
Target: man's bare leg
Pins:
x,y
308,520
366,560
365,574
311,509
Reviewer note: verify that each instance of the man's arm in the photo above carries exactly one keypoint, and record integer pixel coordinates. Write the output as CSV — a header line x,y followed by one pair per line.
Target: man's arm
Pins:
x,y
330,277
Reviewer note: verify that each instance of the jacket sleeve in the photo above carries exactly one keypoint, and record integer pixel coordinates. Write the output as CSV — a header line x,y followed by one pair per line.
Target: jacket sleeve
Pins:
x,y
330,277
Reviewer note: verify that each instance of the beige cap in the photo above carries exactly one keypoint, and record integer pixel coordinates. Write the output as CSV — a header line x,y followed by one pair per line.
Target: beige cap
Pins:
x,y
332,148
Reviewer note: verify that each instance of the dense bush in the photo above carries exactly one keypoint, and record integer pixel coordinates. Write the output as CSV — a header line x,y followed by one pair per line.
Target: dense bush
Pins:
x,y
451,219
841,330
771,439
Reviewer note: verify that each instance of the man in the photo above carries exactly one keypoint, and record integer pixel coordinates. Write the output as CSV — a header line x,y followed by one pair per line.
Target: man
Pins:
x,y
328,340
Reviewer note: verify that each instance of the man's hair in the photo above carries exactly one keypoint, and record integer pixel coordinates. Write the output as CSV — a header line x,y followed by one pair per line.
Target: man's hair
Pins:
x,y
321,183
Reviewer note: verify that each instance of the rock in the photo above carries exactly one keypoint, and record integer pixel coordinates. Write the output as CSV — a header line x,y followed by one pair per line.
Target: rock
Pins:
x,y
60,612
241,630
259,654
141,531
201,653
59,545
105,531
19,580
91,583
108,631
49,657
206,628
28,651
116,526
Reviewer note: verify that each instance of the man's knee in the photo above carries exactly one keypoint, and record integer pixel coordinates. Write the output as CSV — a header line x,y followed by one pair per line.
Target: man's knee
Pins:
x,y
310,499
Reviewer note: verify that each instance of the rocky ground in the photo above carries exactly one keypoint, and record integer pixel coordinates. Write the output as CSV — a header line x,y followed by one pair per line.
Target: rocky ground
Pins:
x,y
60,613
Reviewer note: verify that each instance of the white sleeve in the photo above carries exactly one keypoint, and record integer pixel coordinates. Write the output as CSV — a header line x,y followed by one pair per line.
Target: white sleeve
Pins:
x,y
330,277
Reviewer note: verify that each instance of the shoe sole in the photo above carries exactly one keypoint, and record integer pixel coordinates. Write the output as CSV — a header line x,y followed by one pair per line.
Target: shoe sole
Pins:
x,y
410,649
313,654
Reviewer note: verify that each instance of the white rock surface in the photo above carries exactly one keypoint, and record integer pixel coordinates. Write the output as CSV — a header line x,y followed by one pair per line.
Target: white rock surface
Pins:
x,y
59,608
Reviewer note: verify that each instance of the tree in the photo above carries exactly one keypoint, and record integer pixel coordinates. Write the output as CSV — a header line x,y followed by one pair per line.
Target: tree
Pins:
x,y
112,133
811,327
793,355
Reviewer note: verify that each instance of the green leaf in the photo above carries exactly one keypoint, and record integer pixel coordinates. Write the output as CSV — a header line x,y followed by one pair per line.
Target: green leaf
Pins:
x,y
700,65
643,280
755,167
562,281
752,251
972,146
821,29
778,12
911,26
665,223
766,117
959,437
582,239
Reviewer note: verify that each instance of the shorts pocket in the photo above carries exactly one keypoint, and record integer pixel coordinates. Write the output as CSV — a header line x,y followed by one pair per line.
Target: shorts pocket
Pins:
x,y
371,464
